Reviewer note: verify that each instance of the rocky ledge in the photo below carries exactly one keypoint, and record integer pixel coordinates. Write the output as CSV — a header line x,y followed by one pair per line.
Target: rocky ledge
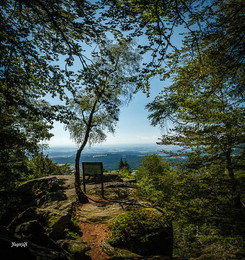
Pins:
x,y
48,222
44,227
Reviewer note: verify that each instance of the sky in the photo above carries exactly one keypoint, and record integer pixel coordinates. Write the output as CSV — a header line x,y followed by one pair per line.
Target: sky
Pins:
x,y
133,126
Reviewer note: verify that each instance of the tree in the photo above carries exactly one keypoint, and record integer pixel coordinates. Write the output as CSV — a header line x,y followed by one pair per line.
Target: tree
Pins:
x,y
35,37
40,40
157,181
163,22
42,166
208,109
26,75
123,165
111,77
206,102
20,134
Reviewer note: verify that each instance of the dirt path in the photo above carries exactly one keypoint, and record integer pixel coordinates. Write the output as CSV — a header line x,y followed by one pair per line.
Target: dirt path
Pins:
x,y
93,234
93,221
95,216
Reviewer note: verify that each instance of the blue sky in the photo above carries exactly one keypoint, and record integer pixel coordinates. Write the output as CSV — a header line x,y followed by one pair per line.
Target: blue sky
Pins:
x,y
133,126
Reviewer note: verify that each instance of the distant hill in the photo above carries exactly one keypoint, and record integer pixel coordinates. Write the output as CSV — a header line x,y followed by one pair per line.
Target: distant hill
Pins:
x,y
109,156
110,160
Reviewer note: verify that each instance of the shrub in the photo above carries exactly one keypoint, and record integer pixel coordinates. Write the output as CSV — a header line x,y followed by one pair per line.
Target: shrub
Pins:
x,y
156,180
42,166
144,231
206,242
125,173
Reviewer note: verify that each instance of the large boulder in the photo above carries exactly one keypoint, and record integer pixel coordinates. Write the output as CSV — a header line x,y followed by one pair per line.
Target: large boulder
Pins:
x,y
15,248
44,218
33,189
143,231
77,248
34,231
57,223
31,213
45,201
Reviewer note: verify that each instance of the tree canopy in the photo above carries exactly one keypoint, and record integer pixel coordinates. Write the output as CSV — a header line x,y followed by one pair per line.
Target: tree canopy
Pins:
x,y
36,36
206,99
173,30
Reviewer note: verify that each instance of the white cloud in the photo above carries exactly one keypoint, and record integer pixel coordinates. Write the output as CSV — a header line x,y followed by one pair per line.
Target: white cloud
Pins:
x,y
61,141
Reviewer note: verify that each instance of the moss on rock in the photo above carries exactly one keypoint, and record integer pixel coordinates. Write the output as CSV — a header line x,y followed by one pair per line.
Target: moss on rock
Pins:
x,y
77,248
144,231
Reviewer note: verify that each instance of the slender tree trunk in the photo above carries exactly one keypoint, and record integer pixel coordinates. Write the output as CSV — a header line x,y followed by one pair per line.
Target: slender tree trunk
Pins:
x,y
80,194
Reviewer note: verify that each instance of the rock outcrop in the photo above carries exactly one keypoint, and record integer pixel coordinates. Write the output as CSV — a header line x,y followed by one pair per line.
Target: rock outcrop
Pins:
x,y
44,220
50,224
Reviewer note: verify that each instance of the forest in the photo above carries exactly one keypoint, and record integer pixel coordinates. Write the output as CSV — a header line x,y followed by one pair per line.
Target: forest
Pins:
x,y
120,45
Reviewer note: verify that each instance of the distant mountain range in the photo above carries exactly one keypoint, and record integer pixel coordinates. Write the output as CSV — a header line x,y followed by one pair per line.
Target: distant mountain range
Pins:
x,y
108,155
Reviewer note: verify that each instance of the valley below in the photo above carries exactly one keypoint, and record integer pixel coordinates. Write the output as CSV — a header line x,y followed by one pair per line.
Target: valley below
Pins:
x,y
110,155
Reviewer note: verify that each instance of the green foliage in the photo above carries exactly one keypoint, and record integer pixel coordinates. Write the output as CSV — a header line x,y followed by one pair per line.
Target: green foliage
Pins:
x,y
107,83
134,230
74,229
31,41
157,181
72,235
125,173
221,23
74,226
18,137
124,169
42,166
206,242
123,164
200,204
205,102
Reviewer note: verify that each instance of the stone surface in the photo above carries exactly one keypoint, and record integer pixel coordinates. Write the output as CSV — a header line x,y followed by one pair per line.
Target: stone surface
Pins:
x,y
57,223
34,231
100,212
107,248
77,248
12,248
31,213
45,218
